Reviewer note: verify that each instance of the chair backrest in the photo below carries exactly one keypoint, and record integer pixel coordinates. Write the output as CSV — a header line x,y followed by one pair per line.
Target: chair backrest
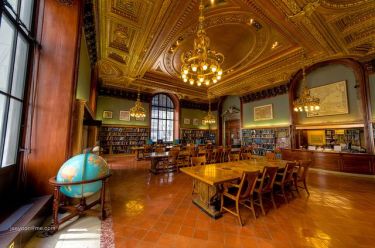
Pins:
x,y
246,156
159,149
209,155
288,172
175,148
268,178
173,155
270,156
303,168
247,184
201,151
147,148
198,160
234,157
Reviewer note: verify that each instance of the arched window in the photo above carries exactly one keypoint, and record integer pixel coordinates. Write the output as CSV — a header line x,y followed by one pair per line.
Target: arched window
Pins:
x,y
162,116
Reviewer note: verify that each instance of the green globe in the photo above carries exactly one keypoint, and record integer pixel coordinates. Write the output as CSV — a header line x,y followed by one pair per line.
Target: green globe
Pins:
x,y
79,168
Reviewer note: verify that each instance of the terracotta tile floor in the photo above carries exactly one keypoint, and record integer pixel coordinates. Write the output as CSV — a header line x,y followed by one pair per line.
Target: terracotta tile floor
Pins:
x,y
157,211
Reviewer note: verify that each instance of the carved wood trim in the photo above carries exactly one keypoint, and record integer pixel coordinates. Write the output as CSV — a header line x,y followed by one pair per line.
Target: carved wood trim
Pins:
x,y
66,2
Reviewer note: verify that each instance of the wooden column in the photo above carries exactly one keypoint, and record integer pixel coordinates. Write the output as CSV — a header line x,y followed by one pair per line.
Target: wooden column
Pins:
x,y
78,114
49,131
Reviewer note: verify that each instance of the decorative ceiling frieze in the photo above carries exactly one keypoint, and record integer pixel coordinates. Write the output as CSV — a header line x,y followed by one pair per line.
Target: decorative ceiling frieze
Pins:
x,y
263,41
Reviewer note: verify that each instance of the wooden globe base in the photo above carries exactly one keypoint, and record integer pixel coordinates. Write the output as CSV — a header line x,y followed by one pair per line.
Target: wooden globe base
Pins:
x,y
78,209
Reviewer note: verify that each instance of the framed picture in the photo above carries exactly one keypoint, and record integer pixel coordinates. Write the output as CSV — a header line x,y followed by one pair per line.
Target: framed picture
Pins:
x,y
107,114
186,121
262,113
195,122
333,99
124,116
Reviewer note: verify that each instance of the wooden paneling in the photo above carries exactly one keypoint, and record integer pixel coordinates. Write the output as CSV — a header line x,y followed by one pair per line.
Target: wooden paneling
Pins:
x,y
361,164
50,132
343,162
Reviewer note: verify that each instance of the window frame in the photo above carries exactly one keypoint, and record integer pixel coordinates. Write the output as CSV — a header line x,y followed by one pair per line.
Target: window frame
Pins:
x,y
20,32
165,108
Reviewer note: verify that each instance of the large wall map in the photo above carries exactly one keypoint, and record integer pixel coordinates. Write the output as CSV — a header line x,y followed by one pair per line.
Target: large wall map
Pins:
x,y
333,99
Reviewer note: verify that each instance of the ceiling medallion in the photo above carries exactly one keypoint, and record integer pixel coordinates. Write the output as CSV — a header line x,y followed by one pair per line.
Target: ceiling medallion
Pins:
x,y
201,65
138,110
209,118
306,102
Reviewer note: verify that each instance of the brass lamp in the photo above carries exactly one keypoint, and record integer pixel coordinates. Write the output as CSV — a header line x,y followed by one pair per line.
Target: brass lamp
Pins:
x,y
138,111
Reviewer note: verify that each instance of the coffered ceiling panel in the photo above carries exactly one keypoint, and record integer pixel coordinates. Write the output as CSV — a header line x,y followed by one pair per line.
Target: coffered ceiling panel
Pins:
x,y
141,42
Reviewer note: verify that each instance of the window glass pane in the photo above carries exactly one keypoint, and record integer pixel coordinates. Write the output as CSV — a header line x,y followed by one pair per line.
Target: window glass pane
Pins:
x,y
19,73
12,133
6,42
13,4
162,100
170,115
164,113
154,112
26,11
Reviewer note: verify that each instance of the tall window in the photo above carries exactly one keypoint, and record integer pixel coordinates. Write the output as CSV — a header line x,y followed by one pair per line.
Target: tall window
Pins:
x,y
162,115
15,42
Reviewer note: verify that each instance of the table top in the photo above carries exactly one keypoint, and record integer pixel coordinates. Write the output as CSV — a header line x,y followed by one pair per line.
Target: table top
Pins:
x,y
213,174
142,147
166,154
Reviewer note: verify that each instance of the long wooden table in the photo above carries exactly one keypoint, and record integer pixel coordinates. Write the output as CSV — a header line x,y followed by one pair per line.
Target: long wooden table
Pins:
x,y
208,179
156,157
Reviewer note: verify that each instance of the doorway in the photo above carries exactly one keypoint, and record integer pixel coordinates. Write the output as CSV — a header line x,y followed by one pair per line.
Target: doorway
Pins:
x,y
232,133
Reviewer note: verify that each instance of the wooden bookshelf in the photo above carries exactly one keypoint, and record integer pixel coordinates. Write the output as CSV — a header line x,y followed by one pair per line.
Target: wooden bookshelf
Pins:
x,y
266,139
190,135
120,139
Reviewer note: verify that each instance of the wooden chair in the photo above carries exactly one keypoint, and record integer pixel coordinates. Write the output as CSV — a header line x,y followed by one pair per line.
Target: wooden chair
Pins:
x,y
219,155
171,162
234,157
147,151
285,178
243,194
265,186
201,160
246,156
210,156
270,156
159,149
301,174
226,153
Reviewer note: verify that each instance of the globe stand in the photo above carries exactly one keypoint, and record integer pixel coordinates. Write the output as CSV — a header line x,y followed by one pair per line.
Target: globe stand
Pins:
x,y
78,209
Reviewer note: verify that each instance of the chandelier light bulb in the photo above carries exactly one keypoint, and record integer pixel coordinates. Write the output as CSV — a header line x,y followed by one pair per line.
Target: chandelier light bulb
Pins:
x,y
220,72
214,80
191,81
185,80
218,77
201,63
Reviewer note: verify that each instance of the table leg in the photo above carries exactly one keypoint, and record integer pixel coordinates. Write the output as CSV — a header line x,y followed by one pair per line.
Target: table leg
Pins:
x,y
206,197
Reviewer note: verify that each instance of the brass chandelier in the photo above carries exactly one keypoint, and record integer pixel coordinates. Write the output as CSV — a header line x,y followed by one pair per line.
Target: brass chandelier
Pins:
x,y
306,102
138,111
209,118
201,65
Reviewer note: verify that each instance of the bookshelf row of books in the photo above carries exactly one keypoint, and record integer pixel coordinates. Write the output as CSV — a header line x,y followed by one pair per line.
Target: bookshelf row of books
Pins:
x,y
197,136
117,139
266,139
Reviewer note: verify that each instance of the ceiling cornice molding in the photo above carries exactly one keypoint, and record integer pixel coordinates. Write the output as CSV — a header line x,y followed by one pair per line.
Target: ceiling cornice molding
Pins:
x,y
266,93
122,93
90,31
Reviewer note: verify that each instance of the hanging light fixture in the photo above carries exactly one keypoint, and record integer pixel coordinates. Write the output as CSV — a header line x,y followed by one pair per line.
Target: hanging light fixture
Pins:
x,y
138,111
209,118
201,65
306,102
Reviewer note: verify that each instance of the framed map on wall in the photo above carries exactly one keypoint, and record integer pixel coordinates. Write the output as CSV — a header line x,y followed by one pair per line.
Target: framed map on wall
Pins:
x,y
333,99
124,116
262,113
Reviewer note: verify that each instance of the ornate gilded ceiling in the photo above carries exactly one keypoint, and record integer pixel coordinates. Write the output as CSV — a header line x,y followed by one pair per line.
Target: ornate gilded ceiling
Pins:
x,y
140,42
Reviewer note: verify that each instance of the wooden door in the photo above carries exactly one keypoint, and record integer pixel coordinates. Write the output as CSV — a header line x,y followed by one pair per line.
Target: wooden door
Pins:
x,y
232,132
